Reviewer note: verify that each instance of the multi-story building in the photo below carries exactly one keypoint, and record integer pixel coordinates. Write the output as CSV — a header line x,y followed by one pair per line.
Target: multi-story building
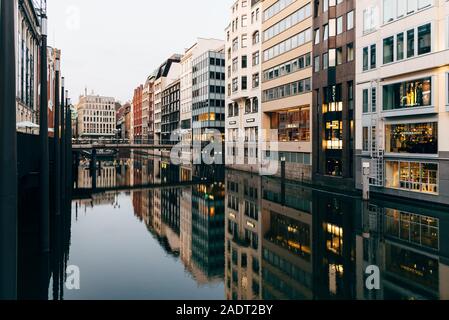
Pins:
x,y
28,35
287,84
243,236
170,112
403,96
137,114
208,98
168,72
96,116
201,46
122,115
243,74
148,109
53,62
208,229
128,122
333,93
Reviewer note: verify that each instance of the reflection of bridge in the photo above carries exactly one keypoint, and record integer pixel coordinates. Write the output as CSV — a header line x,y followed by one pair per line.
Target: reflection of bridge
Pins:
x,y
95,144
87,193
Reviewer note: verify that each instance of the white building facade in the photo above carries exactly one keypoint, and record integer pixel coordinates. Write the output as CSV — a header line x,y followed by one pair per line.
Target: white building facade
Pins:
x,y
243,85
96,116
28,35
403,96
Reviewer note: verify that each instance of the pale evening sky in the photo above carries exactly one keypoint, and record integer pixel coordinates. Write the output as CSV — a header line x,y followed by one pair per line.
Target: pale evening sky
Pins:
x,y
111,46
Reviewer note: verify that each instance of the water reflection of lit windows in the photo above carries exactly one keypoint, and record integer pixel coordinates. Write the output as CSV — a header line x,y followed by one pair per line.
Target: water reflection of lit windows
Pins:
x,y
335,273
291,270
290,234
411,265
334,238
414,228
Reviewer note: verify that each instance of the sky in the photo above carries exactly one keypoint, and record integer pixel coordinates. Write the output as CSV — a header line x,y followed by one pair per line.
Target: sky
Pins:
x,y
111,46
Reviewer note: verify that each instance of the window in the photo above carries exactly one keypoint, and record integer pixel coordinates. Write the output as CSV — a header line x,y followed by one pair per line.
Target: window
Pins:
x,y
255,58
244,21
339,56
350,51
287,67
365,101
412,138
388,50
410,43
255,80
235,84
317,36
276,8
235,44
409,94
350,20
424,39
255,105
389,10
373,99
395,9
244,41
244,83
235,64
340,25
351,95
325,32
365,58
256,37
365,140
334,135
244,62
289,44
412,176
247,108
400,46
373,56
369,20
316,64
288,22
325,61
325,5
332,58
292,125
287,90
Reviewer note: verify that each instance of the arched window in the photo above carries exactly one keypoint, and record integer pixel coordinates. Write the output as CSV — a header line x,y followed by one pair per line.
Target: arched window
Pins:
x,y
256,37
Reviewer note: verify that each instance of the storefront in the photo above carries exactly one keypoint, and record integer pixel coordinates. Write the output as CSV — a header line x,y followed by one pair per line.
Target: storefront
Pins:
x,y
293,124
408,94
412,138
412,176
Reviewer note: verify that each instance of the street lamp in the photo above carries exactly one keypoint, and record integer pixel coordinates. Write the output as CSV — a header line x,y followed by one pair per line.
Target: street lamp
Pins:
x,y
44,180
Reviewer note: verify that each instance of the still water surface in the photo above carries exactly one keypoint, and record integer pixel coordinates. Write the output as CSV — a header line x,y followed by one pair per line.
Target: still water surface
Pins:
x,y
238,236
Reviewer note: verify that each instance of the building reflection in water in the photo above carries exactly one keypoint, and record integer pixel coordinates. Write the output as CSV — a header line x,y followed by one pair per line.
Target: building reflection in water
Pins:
x,y
259,238
309,244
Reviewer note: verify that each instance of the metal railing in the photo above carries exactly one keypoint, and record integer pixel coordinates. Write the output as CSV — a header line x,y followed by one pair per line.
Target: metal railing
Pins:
x,y
106,141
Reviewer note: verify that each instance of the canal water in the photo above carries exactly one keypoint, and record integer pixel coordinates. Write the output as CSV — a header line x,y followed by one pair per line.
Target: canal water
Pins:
x,y
142,228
